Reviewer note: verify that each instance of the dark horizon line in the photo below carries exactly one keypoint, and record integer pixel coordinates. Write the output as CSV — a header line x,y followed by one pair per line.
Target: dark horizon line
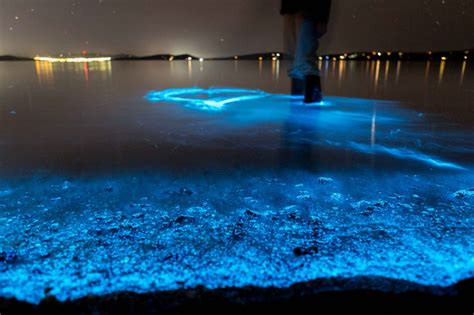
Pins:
x,y
377,55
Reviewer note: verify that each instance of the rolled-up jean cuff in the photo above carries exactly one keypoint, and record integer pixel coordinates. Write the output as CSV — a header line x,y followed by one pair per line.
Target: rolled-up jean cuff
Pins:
x,y
299,72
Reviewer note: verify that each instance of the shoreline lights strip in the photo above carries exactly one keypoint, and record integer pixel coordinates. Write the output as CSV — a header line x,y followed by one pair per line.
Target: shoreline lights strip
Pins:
x,y
80,59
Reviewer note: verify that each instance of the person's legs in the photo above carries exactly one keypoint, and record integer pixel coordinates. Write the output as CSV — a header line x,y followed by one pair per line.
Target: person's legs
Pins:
x,y
290,35
305,57
291,32
304,67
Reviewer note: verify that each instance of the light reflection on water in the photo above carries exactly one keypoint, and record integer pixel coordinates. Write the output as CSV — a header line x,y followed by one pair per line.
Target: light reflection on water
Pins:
x,y
384,173
45,70
109,108
356,115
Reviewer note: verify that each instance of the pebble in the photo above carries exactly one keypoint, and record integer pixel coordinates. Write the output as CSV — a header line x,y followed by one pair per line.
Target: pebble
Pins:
x,y
184,219
302,251
303,197
464,193
251,214
8,256
325,180
186,191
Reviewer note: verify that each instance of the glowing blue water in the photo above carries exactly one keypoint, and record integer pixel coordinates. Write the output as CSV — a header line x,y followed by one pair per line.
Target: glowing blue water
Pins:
x,y
218,97
371,127
393,199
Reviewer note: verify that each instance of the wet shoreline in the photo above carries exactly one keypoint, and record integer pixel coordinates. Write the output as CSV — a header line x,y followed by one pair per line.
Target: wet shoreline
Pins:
x,y
370,295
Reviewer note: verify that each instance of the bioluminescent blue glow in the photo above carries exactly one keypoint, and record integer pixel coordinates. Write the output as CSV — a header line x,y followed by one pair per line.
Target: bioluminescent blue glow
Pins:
x,y
70,238
216,99
404,153
360,125
382,196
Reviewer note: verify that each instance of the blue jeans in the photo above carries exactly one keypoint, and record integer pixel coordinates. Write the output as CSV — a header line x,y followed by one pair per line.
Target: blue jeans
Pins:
x,y
301,44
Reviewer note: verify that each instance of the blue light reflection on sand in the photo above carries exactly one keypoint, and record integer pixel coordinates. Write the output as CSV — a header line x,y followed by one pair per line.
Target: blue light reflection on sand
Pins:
x,y
344,122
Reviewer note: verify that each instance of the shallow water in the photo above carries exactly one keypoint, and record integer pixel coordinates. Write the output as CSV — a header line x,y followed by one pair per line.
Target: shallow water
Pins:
x,y
119,176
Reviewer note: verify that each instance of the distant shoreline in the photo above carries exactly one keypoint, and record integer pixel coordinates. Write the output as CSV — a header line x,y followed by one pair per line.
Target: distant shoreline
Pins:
x,y
374,55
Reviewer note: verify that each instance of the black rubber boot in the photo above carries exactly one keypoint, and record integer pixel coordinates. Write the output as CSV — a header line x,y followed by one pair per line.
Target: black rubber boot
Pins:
x,y
312,93
297,87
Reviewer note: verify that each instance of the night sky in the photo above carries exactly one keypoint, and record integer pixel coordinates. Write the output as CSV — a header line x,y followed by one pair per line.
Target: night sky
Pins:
x,y
211,28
